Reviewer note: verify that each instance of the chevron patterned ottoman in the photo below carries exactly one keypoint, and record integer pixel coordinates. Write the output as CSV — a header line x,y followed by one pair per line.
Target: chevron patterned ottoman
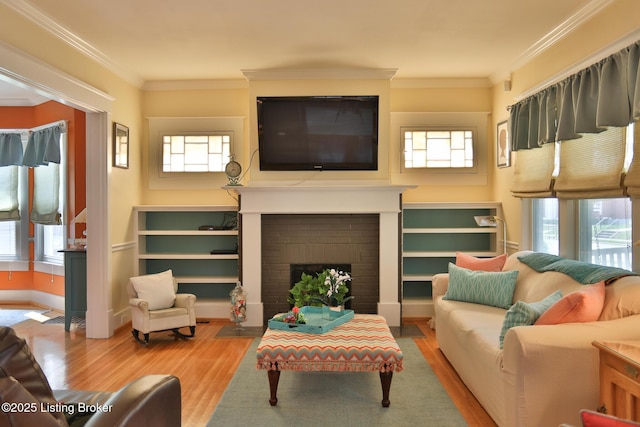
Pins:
x,y
363,344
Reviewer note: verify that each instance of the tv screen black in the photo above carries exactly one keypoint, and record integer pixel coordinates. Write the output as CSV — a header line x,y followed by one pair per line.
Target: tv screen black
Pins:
x,y
318,133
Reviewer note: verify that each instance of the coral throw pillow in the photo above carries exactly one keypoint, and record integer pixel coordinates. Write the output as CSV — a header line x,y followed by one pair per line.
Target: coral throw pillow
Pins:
x,y
596,419
579,306
480,264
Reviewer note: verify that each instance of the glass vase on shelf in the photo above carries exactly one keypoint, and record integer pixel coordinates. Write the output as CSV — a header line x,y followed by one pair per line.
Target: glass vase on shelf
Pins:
x,y
238,305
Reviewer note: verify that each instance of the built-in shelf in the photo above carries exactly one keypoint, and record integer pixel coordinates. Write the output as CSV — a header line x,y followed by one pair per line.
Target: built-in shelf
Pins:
x,y
432,233
169,237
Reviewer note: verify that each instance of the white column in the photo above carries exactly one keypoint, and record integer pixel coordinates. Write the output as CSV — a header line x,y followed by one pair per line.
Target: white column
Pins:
x,y
389,304
252,267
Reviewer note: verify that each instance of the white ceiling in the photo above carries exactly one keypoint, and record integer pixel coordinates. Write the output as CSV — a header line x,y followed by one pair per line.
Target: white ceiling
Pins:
x,y
146,41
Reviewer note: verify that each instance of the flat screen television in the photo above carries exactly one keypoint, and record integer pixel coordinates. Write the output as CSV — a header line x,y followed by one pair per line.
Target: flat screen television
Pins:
x,y
297,133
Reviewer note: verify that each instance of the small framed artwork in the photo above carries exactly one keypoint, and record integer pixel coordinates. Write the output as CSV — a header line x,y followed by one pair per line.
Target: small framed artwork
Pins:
x,y
503,153
120,146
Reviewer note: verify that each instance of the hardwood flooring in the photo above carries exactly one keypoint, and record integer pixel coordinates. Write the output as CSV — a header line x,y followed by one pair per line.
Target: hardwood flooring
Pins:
x,y
205,365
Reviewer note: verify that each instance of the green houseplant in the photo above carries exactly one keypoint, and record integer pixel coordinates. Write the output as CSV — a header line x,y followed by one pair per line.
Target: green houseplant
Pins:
x,y
325,288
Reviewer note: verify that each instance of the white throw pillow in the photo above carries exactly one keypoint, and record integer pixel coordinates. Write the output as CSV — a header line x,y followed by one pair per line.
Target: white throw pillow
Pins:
x,y
156,289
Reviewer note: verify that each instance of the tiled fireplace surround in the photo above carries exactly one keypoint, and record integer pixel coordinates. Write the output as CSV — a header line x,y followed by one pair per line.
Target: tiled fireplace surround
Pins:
x,y
357,225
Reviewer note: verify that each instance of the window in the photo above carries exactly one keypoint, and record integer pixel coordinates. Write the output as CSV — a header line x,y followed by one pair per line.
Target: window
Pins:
x,y
589,221
195,153
191,152
545,226
8,247
438,148
50,237
605,232
602,230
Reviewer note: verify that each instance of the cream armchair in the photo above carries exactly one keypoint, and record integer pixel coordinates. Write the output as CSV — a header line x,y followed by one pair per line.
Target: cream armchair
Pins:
x,y
155,306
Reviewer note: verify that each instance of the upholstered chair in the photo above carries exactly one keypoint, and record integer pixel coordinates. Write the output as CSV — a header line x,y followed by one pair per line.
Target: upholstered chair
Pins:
x,y
156,306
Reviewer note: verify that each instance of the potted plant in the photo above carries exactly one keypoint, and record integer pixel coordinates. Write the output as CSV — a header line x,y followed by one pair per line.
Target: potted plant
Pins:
x,y
325,288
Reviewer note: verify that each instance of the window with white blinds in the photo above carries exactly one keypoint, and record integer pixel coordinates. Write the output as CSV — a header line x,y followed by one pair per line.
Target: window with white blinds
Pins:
x,y
592,166
632,179
534,172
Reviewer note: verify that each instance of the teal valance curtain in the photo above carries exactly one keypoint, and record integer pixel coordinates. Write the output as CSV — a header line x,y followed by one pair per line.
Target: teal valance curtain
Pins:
x,y
43,152
606,94
43,147
10,149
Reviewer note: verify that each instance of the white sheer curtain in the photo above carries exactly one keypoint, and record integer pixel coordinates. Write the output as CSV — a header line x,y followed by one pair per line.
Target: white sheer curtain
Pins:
x,y
9,208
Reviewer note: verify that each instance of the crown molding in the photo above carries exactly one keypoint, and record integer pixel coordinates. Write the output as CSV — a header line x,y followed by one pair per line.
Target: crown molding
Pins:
x,y
28,72
85,48
586,62
550,39
206,84
320,74
435,83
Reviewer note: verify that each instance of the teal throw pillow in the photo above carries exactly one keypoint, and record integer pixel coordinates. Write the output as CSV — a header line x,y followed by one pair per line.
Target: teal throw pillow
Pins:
x,y
525,314
481,287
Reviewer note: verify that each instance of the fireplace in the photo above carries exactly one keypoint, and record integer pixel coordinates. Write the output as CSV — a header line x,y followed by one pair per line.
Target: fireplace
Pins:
x,y
283,225
351,239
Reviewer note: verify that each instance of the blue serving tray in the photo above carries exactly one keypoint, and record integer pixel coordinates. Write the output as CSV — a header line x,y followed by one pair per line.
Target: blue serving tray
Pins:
x,y
319,320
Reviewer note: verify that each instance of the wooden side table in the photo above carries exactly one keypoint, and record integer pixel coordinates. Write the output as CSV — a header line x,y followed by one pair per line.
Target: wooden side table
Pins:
x,y
620,378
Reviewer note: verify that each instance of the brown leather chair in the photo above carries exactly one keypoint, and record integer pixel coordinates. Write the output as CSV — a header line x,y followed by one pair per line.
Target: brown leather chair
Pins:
x,y
27,400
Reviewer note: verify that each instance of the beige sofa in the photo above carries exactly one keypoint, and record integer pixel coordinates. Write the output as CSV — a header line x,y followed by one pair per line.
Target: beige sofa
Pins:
x,y
545,374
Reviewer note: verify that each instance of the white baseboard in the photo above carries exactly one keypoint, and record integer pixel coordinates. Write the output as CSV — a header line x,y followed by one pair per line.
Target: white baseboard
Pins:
x,y
40,298
417,308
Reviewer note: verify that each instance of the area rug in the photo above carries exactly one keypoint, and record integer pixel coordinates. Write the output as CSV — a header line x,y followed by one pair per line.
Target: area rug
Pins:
x,y
345,398
11,316
59,320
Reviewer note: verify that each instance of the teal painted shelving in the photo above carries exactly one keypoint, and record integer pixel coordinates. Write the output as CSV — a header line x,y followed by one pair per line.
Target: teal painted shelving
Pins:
x,y
431,235
198,243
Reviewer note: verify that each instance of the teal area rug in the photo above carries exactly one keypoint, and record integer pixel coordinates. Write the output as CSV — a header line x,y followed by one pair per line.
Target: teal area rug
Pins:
x,y
351,399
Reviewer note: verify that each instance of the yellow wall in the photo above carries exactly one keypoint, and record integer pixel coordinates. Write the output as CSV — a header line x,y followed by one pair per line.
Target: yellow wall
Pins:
x,y
126,184
132,106
443,99
612,24
230,100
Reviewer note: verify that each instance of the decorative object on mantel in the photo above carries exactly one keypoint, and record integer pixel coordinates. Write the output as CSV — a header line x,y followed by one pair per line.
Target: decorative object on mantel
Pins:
x,y
238,305
325,288
233,170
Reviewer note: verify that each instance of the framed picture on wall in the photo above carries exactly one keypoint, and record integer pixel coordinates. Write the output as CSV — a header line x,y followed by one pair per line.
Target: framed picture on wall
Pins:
x,y
120,146
503,152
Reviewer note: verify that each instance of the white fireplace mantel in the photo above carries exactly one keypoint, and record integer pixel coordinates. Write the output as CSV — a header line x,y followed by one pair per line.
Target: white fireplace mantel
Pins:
x,y
321,199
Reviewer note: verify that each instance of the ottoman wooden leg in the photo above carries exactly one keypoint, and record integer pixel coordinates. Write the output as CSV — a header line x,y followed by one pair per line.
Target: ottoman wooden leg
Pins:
x,y
274,377
385,380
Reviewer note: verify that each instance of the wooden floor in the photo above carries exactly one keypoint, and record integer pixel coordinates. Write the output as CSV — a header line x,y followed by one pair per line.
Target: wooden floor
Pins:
x,y
205,365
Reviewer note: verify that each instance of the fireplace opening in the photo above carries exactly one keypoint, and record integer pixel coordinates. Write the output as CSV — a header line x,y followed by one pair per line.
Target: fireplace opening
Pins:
x,y
296,271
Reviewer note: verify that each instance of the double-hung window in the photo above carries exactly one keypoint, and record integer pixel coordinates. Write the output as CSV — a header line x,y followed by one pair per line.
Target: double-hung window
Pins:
x,y
588,228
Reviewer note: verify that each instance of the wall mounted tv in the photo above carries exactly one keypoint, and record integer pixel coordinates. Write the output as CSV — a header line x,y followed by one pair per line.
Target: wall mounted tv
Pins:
x,y
318,133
